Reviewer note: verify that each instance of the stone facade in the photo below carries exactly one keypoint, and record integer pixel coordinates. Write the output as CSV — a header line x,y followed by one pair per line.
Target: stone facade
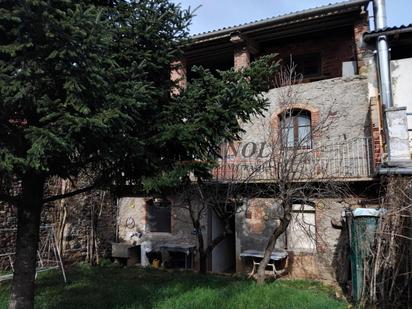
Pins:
x,y
133,227
343,99
81,212
341,144
135,209
8,222
328,261
346,101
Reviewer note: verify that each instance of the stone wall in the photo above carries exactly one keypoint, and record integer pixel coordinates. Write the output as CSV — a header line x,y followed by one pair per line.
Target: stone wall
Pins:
x,y
134,209
76,236
8,222
98,209
344,101
132,221
339,144
330,259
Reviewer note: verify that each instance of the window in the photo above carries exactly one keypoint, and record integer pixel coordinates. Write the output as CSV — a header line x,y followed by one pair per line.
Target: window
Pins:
x,y
301,233
158,215
296,129
307,65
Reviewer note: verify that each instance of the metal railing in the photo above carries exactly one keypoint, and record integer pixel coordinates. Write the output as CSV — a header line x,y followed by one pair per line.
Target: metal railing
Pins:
x,y
350,159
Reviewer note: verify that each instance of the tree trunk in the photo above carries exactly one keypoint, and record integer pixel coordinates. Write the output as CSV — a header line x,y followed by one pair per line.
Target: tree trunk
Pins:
x,y
28,225
205,253
201,248
260,277
202,262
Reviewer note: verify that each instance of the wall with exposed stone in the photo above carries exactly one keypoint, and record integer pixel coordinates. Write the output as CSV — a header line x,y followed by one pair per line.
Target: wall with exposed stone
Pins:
x,y
81,212
341,144
8,222
133,227
343,101
330,259
98,209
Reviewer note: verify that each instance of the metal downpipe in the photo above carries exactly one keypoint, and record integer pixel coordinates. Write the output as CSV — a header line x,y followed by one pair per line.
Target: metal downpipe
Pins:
x,y
379,7
385,71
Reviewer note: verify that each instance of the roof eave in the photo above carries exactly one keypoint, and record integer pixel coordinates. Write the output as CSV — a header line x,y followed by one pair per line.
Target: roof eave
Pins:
x,y
370,36
324,10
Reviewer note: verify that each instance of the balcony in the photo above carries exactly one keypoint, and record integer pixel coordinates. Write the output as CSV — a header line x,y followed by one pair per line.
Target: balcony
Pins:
x,y
345,160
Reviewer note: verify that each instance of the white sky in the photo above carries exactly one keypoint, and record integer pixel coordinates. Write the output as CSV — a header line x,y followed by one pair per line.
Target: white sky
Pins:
x,y
214,14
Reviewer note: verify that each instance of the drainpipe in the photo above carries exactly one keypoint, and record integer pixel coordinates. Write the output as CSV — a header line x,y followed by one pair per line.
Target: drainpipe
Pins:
x,y
379,8
396,122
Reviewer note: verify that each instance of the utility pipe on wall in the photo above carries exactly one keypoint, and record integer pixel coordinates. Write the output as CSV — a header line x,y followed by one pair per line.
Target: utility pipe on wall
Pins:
x,y
379,8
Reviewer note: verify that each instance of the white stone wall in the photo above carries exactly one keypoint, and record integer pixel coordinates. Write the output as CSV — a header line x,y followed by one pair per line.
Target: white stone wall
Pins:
x,y
401,86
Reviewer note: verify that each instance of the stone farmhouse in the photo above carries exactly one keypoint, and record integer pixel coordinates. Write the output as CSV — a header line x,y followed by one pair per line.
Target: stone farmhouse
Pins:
x,y
351,125
334,51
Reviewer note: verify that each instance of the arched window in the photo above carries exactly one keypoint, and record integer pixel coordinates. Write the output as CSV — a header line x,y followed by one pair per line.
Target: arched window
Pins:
x,y
296,128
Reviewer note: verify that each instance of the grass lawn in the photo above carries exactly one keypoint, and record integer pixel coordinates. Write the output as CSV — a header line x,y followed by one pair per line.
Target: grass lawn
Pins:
x,y
115,287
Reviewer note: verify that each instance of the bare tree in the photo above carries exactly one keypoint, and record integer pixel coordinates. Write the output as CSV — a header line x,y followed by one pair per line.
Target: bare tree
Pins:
x,y
388,262
198,199
292,156
294,159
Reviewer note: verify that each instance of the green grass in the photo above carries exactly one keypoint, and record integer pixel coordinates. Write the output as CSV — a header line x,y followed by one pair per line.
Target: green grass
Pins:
x,y
113,287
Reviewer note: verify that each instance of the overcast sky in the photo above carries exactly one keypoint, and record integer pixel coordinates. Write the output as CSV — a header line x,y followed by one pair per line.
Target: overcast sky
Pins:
x,y
214,14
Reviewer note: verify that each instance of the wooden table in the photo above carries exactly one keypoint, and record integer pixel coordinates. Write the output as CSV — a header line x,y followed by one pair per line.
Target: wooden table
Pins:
x,y
186,249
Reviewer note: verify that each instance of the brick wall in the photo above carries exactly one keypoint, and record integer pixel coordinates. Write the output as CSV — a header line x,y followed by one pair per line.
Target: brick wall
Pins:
x,y
360,27
241,58
376,127
178,75
334,48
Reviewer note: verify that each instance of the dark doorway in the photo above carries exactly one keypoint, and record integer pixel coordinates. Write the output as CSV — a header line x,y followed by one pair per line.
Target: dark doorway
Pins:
x,y
223,259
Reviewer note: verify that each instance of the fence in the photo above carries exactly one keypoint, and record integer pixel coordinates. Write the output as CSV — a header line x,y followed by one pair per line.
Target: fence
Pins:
x,y
335,160
48,255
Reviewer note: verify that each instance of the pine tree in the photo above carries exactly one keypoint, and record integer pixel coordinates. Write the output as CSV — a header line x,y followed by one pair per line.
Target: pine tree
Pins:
x,y
85,89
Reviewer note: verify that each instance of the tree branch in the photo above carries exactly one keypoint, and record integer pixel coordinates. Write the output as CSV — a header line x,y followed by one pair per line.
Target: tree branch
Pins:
x,y
68,194
217,241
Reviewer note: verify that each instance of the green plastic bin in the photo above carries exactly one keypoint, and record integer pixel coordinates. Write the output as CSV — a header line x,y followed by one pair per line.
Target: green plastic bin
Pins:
x,y
363,225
